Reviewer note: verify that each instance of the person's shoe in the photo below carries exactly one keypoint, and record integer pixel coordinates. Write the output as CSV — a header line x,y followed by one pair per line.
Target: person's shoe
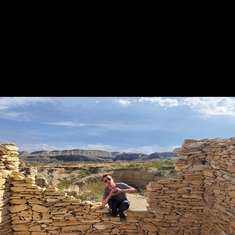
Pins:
x,y
114,213
110,214
122,217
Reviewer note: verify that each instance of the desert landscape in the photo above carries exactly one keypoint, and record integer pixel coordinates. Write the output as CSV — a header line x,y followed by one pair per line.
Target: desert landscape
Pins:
x,y
80,179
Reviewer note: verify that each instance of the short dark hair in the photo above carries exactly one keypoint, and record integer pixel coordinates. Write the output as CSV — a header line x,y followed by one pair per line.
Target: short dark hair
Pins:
x,y
104,176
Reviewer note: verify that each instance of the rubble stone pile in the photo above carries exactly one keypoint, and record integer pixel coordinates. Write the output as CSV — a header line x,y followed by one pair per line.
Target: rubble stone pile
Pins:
x,y
199,200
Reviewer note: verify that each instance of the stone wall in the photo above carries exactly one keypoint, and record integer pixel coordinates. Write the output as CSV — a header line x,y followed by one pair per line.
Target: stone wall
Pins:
x,y
9,162
219,172
200,200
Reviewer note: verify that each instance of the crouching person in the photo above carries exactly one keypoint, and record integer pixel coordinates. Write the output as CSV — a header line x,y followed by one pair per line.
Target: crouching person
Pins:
x,y
115,195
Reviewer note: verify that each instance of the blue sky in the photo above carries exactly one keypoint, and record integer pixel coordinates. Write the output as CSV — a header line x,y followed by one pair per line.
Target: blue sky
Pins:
x,y
123,124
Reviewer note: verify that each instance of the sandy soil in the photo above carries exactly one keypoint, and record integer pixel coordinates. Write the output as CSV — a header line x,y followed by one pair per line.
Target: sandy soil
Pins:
x,y
138,202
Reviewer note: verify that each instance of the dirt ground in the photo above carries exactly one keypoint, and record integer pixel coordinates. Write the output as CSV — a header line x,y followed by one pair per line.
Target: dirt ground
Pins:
x,y
137,202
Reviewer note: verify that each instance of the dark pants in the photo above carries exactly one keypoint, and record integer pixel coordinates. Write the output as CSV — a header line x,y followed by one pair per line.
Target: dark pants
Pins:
x,y
118,207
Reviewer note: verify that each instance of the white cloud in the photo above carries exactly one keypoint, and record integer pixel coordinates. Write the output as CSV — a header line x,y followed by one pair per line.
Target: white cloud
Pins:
x,y
37,147
211,106
168,102
66,124
99,147
123,102
208,106
7,102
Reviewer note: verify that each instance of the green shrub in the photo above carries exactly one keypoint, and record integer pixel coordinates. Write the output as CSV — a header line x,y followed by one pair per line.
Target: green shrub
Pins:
x,y
66,183
92,191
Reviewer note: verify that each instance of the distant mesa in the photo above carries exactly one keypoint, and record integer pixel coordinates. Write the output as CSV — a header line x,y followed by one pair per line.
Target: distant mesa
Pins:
x,y
90,156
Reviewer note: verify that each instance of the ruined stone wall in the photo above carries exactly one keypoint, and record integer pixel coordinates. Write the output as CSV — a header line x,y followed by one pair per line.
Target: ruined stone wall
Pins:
x,y
199,200
219,172
8,162
178,203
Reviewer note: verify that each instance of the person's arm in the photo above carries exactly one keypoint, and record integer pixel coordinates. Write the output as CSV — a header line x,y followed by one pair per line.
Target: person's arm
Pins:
x,y
127,190
105,200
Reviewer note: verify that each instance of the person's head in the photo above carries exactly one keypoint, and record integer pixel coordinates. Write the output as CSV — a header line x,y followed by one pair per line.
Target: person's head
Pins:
x,y
107,178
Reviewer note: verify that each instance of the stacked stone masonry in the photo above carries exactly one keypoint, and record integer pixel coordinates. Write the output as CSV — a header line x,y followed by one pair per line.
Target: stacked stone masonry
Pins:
x,y
199,200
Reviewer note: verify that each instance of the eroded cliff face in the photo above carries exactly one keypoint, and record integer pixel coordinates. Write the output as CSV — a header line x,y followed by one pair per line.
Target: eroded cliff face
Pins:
x,y
89,156
139,178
